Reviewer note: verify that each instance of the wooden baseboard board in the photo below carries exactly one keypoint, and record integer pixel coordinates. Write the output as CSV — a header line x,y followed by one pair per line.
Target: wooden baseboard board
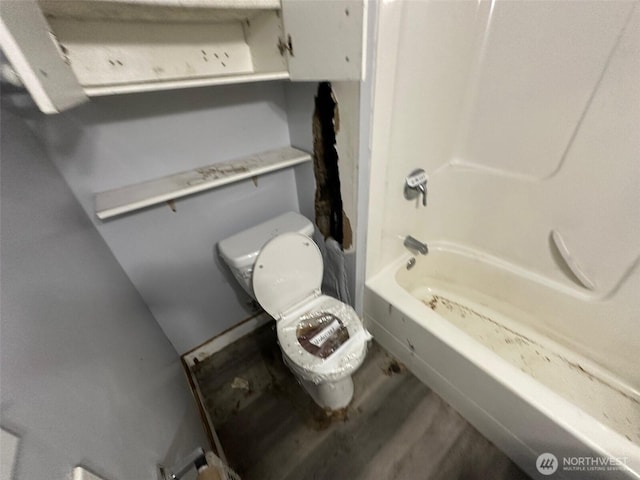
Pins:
x,y
227,337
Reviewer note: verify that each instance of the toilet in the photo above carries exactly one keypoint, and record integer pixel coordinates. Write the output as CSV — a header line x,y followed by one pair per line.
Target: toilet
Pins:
x,y
322,339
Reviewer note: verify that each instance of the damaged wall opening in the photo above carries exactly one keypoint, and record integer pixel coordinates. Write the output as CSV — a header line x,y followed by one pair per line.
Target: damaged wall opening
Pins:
x,y
330,216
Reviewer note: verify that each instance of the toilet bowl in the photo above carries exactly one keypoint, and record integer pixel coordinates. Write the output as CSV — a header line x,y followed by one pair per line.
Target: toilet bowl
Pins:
x,y
322,339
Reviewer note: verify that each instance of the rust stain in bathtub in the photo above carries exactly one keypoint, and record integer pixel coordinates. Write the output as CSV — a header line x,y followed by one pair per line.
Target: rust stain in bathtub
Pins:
x,y
516,340
593,378
437,300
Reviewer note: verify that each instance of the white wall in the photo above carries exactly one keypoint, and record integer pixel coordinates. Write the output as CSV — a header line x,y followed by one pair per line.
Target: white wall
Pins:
x,y
525,115
299,98
87,375
169,257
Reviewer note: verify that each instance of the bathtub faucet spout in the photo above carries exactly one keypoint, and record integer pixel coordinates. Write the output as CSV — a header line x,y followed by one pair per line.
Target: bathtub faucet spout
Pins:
x,y
416,245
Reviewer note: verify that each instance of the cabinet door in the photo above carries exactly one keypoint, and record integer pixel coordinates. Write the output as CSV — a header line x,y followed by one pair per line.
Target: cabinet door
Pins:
x,y
326,38
29,45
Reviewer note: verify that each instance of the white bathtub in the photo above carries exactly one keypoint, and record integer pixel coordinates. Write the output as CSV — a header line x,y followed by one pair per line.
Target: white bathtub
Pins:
x,y
502,367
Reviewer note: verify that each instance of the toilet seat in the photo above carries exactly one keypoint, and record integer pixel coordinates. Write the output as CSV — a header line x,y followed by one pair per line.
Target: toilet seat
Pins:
x,y
287,272
286,281
341,363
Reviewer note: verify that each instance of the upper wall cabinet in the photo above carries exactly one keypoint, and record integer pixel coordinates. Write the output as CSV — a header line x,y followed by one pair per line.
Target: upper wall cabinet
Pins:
x,y
67,50
327,39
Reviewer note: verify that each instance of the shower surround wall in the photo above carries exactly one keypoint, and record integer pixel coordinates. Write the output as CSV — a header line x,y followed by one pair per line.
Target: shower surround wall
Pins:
x,y
525,116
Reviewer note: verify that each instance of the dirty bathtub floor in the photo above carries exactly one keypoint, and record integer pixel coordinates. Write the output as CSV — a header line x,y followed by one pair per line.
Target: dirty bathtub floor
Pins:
x,y
395,428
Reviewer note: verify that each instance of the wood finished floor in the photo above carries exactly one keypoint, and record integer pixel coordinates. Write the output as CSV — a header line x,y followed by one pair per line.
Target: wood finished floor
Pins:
x,y
396,428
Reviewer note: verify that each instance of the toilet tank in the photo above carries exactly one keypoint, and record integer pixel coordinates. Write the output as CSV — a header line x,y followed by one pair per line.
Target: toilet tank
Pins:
x,y
241,250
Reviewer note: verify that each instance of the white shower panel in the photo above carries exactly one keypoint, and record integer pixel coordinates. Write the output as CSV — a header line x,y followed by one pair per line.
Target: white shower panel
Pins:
x,y
525,117
537,67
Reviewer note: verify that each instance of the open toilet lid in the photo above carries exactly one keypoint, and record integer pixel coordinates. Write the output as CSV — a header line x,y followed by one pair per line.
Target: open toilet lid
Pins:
x,y
287,270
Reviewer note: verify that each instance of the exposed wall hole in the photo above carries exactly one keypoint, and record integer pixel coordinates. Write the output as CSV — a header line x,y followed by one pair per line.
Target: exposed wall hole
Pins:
x,y
330,216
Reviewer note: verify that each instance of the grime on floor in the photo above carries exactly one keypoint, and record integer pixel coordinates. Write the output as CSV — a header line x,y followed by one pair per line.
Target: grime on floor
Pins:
x,y
395,428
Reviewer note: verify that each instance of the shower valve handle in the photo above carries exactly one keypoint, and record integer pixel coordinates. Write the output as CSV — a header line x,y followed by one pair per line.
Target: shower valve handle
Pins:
x,y
416,185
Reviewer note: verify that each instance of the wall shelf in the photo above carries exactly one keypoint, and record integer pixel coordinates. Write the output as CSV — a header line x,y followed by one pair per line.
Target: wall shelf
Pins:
x,y
134,197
